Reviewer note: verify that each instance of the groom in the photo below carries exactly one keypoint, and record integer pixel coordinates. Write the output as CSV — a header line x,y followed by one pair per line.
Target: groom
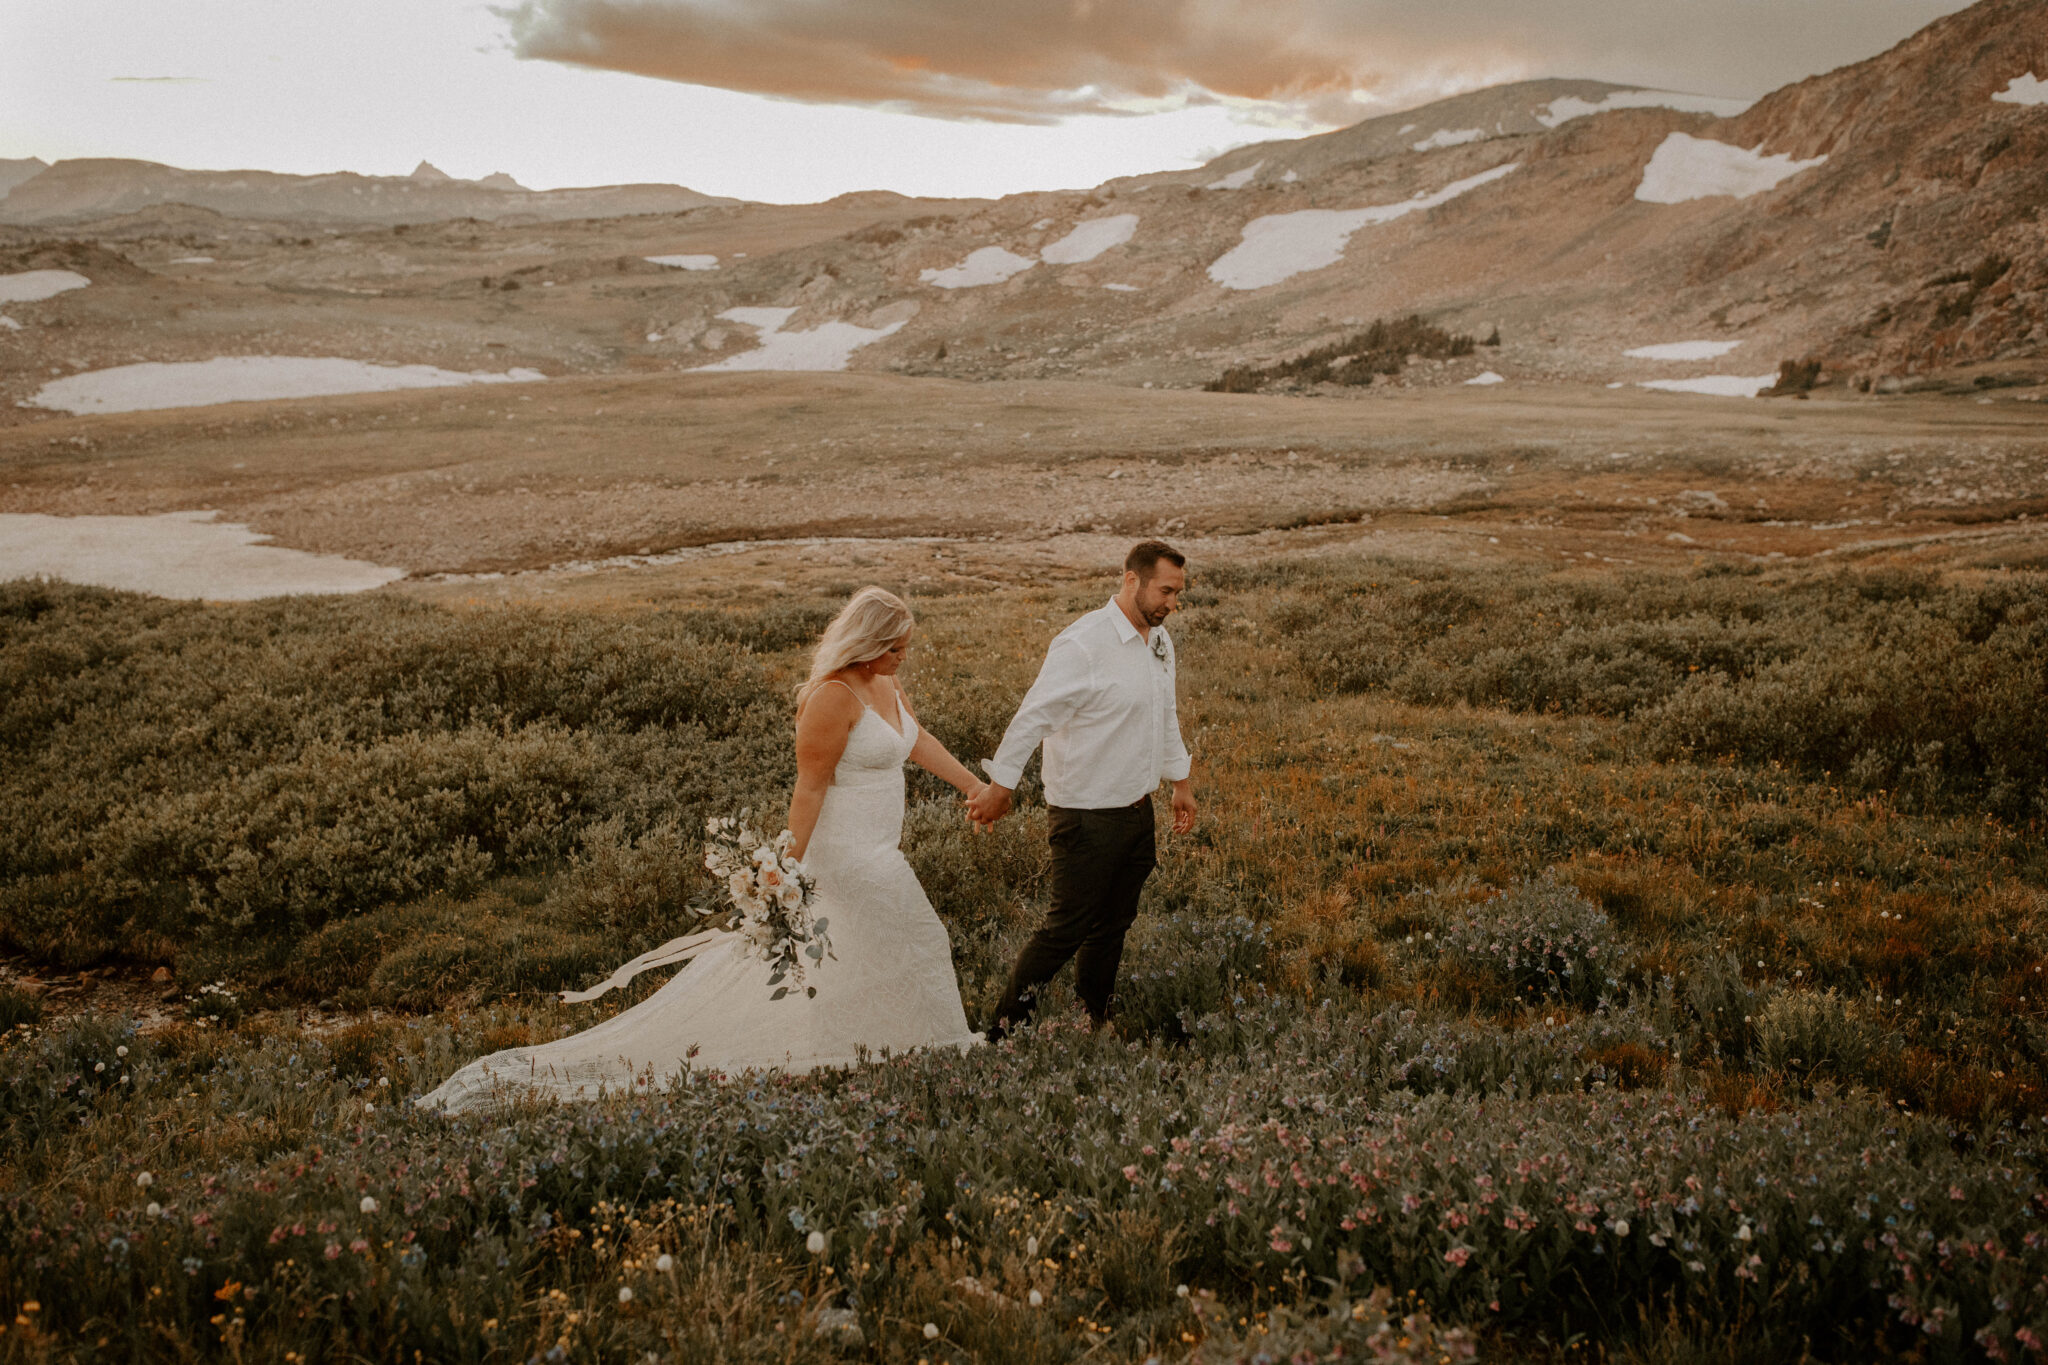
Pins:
x,y
1104,707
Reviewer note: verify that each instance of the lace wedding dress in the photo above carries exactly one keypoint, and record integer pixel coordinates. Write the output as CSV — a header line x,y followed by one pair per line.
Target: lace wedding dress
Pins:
x,y
891,987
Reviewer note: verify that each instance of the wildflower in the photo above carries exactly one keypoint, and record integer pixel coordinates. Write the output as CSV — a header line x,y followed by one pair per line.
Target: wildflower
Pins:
x,y
625,1293
155,1210
1743,1234
1458,1255
815,1244
98,1067
1180,1291
931,1331
121,1051
145,1180
664,1263
1035,1299
1620,1226
1030,1246
369,1204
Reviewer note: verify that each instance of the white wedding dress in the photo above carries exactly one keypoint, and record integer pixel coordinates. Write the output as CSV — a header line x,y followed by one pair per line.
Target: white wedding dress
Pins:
x,y
890,986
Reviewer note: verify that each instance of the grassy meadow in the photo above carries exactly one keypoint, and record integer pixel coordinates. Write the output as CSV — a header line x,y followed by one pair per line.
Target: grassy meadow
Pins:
x,y
1566,965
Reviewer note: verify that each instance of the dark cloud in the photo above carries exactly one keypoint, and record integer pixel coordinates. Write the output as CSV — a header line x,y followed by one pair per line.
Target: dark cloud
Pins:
x,y
1037,61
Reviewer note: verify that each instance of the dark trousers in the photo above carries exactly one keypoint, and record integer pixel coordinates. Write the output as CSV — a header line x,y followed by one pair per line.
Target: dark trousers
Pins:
x,y
1100,860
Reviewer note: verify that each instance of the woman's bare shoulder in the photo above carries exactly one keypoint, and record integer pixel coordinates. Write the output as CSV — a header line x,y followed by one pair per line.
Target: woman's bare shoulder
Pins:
x,y
832,701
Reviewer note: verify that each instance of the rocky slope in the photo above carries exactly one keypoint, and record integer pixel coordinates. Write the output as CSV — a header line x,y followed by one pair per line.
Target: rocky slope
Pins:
x,y
1884,219
1883,223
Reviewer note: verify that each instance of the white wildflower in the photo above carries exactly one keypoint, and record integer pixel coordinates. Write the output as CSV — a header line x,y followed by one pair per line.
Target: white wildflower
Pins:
x,y
369,1204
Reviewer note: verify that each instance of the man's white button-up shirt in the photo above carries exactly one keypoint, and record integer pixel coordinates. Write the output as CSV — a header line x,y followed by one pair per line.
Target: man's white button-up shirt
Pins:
x,y
1105,710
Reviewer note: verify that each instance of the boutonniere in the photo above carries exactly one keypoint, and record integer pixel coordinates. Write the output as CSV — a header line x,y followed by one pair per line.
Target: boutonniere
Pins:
x,y
1159,646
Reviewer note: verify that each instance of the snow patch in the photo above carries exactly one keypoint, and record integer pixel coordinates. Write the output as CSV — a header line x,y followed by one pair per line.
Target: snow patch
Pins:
x,y
1090,239
245,379
1237,180
29,286
1450,137
989,265
1122,288
191,260
1281,245
9,323
2027,89
1486,377
1289,178
1684,168
1406,128
1683,350
827,346
685,262
176,554
1569,107
1714,385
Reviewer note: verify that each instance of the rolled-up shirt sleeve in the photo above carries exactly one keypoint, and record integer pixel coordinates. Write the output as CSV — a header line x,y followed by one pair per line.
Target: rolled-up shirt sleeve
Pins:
x,y
1064,682
1176,763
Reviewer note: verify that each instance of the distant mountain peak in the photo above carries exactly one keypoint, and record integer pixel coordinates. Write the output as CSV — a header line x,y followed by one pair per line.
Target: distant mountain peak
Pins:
x,y
427,170
498,180
13,173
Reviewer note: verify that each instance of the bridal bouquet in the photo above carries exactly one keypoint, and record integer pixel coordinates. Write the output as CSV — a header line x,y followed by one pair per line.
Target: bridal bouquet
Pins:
x,y
772,898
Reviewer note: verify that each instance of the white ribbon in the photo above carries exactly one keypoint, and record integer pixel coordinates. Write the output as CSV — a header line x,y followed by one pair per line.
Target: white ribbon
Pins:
x,y
675,950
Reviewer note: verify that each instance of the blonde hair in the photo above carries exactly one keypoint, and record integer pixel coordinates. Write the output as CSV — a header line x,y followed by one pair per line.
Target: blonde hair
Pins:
x,y
864,629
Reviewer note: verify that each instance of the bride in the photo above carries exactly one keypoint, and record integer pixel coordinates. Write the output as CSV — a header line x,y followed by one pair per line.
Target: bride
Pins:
x,y
892,984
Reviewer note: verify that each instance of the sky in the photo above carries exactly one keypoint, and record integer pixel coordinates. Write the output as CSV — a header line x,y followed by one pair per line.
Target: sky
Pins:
x,y
798,100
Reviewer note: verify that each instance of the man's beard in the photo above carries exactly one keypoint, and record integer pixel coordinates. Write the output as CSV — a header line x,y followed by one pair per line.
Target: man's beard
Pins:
x,y
1156,616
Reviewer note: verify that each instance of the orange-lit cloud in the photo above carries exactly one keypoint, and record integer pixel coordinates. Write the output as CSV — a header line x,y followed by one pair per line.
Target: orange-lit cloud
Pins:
x,y
1037,61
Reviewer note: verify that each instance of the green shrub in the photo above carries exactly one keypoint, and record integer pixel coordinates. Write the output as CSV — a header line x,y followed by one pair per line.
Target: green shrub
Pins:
x,y
1813,1034
1834,1224
1886,679
1381,349
185,775
18,1009
1540,940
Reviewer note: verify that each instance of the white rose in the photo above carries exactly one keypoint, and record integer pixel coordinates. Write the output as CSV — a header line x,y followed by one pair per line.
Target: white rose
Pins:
x,y
790,895
741,886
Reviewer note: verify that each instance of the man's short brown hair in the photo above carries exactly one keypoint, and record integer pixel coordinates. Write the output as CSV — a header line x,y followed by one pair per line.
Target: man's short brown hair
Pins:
x,y
1143,560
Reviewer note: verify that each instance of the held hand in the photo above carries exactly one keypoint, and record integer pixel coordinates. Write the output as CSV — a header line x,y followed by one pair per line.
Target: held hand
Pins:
x,y
988,805
1183,807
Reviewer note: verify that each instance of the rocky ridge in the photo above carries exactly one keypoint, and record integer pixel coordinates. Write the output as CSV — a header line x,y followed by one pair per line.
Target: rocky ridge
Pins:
x,y
79,190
